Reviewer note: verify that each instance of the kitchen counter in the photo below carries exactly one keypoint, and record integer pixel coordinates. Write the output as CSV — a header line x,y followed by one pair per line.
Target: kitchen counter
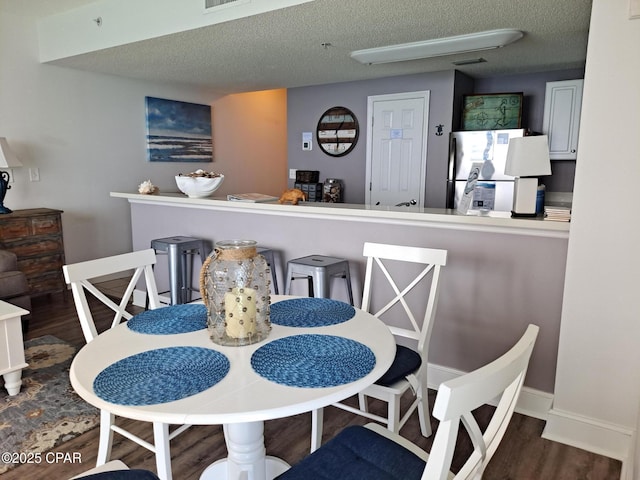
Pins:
x,y
502,273
416,216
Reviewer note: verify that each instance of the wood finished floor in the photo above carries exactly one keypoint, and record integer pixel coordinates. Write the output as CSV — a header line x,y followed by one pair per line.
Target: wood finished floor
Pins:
x,y
523,454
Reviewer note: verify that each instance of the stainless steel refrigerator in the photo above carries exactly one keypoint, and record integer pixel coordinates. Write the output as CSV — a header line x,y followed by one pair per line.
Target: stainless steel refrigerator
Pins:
x,y
494,189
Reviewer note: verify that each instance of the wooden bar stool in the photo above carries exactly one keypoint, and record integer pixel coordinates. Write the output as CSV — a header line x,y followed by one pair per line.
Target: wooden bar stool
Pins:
x,y
180,252
318,270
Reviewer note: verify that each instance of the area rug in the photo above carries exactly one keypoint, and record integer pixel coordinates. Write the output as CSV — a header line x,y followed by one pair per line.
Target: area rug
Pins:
x,y
46,412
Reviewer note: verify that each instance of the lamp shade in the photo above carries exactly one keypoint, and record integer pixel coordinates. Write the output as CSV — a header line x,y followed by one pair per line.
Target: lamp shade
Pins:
x,y
8,159
528,157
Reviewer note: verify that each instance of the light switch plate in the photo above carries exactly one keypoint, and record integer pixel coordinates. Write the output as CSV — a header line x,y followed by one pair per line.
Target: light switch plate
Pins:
x,y
34,174
306,141
292,174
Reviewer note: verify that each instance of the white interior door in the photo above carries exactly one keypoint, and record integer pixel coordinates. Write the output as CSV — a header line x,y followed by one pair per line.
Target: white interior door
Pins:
x,y
396,148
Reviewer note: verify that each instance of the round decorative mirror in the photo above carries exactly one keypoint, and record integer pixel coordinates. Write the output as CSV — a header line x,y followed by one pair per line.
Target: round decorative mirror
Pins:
x,y
337,131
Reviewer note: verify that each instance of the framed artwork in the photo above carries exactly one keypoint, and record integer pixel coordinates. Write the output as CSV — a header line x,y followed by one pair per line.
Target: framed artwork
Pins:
x,y
178,131
492,111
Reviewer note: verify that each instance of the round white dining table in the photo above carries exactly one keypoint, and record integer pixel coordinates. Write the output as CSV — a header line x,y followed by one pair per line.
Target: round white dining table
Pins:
x,y
243,399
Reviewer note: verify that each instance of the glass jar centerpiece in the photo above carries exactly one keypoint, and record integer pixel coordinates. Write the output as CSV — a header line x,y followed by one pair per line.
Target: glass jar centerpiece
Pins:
x,y
235,285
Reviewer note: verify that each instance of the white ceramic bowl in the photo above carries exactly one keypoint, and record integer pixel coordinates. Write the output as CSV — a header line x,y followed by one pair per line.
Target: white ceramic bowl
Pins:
x,y
198,187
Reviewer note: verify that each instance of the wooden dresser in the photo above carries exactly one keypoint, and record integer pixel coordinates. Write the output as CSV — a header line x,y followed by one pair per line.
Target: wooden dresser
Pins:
x,y
35,236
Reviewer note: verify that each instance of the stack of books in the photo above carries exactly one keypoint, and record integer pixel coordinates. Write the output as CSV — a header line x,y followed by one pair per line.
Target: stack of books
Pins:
x,y
557,213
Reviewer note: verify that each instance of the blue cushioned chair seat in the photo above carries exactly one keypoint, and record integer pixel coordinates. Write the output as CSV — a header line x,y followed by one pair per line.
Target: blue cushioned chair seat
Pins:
x,y
405,362
358,453
123,475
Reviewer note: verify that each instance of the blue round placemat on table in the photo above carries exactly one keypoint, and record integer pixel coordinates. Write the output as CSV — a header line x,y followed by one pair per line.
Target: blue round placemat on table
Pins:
x,y
310,312
160,376
314,361
170,320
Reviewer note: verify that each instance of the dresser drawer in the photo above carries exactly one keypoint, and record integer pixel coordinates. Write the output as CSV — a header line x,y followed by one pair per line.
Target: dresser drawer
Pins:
x,y
40,265
46,225
17,228
35,236
36,246
46,283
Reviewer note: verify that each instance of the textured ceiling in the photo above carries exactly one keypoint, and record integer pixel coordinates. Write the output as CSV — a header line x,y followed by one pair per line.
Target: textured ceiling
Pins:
x,y
284,48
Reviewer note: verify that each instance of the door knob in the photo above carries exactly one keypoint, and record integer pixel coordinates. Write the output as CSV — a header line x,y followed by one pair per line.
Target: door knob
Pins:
x,y
406,204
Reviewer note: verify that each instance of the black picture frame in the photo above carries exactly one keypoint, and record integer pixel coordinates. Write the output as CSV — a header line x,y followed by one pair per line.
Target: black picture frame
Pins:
x,y
492,111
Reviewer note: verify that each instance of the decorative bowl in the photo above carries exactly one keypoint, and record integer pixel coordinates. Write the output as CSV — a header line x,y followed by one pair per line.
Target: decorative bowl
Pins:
x,y
198,187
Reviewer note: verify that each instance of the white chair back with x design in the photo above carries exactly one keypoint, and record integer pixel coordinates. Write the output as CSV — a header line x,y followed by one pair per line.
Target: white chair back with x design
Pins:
x,y
425,286
82,277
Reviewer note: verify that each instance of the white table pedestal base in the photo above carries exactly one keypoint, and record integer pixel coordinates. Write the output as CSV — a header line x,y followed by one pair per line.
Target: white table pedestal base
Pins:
x,y
247,459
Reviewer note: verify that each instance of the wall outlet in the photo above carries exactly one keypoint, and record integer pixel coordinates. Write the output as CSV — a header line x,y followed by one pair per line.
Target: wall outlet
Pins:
x,y
292,173
34,175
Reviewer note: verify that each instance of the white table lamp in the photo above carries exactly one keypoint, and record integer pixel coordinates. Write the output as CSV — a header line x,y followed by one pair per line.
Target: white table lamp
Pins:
x,y
7,160
527,159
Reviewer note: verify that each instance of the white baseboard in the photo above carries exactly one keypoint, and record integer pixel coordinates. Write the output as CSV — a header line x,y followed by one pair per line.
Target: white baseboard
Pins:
x,y
532,402
589,434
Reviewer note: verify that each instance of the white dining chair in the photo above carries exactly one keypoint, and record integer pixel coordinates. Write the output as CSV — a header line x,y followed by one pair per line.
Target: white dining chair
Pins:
x,y
82,277
409,369
373,452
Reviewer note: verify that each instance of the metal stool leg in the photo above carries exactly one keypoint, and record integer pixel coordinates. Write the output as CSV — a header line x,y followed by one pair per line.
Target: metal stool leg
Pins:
x,y
347,278
174,275
287,283
322,283
187,281
269,257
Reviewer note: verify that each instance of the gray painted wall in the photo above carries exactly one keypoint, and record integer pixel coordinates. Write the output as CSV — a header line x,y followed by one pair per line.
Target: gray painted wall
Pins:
x,y
305,105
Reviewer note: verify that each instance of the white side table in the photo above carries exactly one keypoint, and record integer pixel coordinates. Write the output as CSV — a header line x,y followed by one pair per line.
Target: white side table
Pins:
x,y
11,346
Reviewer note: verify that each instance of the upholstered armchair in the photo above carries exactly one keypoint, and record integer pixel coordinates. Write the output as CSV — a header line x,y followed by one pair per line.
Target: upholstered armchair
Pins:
x,y
14,288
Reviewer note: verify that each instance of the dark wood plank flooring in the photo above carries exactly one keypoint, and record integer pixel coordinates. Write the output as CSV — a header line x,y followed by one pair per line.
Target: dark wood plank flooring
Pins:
x,y
523,454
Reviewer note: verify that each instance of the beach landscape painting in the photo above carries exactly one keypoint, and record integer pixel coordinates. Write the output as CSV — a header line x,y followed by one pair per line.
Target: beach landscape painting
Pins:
x,y
178,131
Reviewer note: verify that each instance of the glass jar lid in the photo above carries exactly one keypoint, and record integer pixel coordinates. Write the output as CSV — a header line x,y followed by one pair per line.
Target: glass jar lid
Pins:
x,y
235,244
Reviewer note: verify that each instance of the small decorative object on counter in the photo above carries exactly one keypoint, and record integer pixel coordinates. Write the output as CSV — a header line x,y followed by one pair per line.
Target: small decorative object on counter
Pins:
x,y
292,196
332,190
235,286
199,184
312,191
307,176
147,188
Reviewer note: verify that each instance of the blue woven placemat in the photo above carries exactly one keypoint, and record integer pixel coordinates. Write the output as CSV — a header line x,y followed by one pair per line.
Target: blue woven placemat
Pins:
x,y
160,376
170,320
314,361
310,312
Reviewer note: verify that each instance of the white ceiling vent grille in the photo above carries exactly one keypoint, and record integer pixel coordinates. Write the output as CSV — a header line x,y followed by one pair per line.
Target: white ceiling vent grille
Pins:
x,y
218,3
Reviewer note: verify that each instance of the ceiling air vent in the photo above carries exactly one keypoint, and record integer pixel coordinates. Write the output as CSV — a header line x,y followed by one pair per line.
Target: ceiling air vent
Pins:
x,y
217,3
